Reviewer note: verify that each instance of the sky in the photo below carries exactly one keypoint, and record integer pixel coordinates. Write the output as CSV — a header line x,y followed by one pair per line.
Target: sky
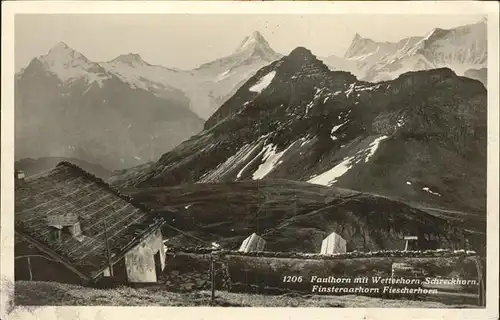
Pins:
x,y
185,41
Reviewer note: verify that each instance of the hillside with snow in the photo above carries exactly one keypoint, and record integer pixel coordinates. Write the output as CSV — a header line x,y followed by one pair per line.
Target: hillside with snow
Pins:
x,y
420,137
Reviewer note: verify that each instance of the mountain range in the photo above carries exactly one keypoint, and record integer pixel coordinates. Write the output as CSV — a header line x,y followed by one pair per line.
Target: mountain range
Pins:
x,y
283,154
123,112
275,144
420,137
460,49
69,106
145,110
206,86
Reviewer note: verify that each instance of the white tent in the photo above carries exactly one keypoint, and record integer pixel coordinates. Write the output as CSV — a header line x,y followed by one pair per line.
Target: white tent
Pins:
x,y
252,244
333,244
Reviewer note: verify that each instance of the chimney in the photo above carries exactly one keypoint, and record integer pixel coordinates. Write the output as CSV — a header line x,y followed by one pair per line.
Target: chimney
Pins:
x,y
69,223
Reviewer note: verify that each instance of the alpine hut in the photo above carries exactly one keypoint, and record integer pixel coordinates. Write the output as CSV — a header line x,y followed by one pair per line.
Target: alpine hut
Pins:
x,y
79,225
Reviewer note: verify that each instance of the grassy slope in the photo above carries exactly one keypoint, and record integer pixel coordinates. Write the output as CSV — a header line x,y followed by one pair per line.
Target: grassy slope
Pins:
x,y
56,294
290,215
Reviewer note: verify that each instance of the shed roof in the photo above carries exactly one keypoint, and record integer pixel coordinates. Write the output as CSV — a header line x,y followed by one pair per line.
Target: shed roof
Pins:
x,y
69,189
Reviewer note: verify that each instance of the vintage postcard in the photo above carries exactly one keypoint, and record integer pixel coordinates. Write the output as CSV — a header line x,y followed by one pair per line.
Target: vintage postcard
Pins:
x,y
231,159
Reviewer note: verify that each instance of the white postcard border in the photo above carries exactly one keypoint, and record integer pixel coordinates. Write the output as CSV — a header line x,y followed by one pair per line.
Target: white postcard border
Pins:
x,y
9,9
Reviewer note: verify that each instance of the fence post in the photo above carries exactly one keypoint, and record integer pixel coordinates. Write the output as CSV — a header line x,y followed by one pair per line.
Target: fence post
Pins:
x,y
29,268
108,253
481,288
212,276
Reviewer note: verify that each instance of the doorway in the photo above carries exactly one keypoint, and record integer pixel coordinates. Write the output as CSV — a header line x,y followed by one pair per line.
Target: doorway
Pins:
x,y
157,258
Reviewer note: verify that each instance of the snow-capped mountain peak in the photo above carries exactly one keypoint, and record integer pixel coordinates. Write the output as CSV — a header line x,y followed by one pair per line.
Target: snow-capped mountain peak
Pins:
x,y
459,48
357,37
434,33
253,41
360,46
61,53
60,46
256,45
221,78
131,59
69,65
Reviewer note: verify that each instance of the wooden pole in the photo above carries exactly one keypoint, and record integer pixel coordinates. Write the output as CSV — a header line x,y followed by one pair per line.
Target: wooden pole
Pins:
x,y
212,276
108,253
29,268
295,206
481,290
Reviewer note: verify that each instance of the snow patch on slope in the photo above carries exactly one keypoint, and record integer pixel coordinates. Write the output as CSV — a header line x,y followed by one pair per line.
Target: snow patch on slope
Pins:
x,y
350,90
271,158
367,88
427,189
223,75
401,122
335,128
248,43
373,147
305,140
232,162
263,83
329,177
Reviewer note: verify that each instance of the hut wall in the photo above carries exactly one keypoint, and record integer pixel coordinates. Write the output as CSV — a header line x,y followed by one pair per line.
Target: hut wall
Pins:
x,y
41,265
139,261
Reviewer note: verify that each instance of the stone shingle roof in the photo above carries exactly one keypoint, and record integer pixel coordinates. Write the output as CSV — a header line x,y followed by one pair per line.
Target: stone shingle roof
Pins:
x,y
67,189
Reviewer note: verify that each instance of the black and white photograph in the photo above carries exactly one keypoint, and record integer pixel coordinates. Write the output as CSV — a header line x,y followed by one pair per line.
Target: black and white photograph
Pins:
x,y
330,159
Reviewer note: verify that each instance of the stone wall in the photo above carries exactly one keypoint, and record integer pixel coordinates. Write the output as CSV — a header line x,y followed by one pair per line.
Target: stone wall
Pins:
x,y
240,273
